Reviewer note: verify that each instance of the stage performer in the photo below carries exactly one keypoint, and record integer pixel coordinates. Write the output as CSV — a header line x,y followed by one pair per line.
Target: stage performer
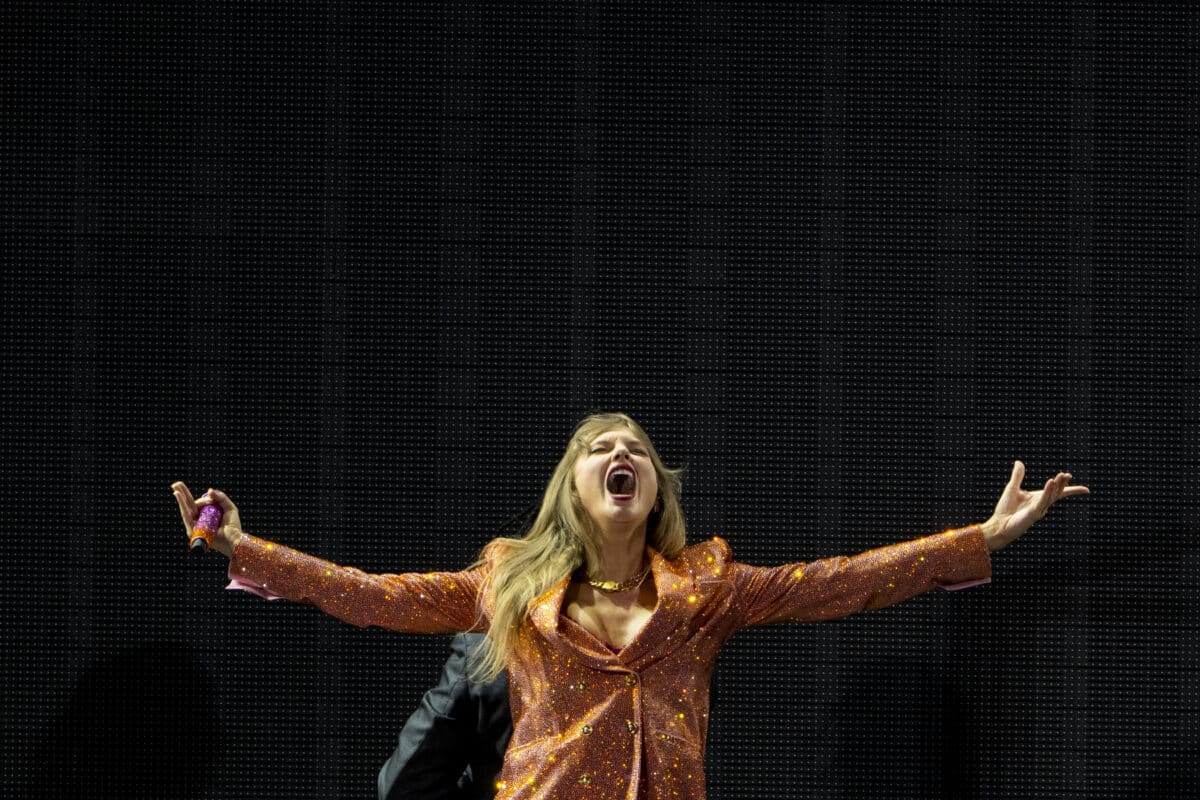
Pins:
x,y
607,623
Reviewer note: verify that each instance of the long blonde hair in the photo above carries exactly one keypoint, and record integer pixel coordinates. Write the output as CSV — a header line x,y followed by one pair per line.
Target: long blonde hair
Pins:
x,y
561,540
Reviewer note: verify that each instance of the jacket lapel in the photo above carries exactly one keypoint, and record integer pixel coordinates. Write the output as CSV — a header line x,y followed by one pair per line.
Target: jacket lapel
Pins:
x,y
669,612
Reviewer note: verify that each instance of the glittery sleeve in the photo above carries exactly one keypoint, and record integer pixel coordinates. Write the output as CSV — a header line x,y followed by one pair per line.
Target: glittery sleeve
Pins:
x,y
835,587
432,602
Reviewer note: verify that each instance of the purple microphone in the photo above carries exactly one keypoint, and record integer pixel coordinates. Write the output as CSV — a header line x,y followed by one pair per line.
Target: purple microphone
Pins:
x,y
206,528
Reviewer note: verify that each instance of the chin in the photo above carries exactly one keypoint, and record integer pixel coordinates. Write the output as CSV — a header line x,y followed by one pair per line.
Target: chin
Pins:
x,y
636,515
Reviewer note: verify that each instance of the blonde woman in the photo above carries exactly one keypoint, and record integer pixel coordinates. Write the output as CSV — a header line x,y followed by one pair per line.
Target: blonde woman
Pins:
x,y
606,621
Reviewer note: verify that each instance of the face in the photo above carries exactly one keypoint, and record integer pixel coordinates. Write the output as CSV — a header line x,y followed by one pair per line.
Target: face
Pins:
x,y
615,479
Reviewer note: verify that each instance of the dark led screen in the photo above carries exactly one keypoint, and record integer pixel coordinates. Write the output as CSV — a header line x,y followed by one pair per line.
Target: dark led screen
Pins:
x,y
363,266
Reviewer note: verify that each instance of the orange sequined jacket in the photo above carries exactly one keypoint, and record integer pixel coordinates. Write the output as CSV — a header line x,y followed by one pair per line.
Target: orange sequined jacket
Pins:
x,y
591,723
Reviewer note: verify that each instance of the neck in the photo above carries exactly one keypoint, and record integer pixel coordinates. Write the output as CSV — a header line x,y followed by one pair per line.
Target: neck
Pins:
x,y
622,552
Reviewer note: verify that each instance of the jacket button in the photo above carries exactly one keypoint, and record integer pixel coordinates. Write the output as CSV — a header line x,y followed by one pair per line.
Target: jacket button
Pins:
x,y
630,680
586,729
631,725
584,780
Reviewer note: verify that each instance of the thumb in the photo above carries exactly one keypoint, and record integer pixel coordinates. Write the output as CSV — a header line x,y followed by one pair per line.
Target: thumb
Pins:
x,y
1018,473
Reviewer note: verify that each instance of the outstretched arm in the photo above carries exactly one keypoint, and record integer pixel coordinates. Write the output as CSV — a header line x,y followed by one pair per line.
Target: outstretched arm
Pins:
x,y
433,602
1018,509
834,587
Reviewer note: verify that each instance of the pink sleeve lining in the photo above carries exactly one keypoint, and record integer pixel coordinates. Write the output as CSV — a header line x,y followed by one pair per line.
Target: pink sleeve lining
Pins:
x,y
966,584
243,585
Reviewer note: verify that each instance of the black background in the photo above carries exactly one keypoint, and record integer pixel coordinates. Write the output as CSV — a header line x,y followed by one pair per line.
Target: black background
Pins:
x,y
363,265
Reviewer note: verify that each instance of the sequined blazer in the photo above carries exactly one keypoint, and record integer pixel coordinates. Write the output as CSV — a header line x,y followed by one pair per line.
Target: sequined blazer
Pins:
x,y
591,723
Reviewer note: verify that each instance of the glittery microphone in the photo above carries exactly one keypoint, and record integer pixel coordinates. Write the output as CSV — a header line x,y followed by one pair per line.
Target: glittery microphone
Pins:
x,y
206,528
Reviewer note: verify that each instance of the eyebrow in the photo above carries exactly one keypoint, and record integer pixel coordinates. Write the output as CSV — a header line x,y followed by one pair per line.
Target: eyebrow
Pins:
x,y
608,438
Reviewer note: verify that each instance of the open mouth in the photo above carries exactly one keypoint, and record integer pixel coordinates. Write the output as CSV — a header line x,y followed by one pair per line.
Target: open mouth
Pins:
x,y
621,482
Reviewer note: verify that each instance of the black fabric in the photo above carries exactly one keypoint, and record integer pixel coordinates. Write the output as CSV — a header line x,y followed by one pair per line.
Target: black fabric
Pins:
x,y
452,746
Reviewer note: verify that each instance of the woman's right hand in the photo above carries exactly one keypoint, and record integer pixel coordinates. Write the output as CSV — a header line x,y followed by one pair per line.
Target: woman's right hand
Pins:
x,y
227,535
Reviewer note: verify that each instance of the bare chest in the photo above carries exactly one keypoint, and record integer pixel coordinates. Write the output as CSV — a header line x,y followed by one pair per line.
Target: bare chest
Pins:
x,y
615,618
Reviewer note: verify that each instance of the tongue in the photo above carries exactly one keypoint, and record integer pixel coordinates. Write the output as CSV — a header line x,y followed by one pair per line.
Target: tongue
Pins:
x,y
620,483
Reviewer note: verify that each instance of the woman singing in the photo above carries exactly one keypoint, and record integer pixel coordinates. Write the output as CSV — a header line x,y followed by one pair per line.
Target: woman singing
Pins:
x,y
606,621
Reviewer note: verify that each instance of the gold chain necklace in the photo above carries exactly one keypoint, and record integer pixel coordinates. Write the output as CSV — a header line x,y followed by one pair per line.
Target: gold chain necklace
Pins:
x,y
614,586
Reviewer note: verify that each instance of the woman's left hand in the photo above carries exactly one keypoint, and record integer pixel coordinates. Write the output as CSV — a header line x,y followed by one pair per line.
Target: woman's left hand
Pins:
x,y
1018,509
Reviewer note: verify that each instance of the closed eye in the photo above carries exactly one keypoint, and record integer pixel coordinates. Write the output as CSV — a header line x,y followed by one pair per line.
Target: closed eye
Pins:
x,y
602,446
